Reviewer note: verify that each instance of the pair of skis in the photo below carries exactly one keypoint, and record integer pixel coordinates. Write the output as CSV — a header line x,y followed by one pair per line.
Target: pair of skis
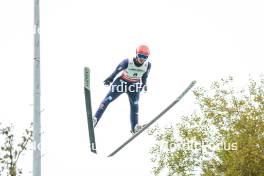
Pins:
x,y
90,120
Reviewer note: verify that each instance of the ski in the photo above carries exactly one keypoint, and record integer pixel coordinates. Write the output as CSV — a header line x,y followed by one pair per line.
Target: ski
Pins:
x,y
154,119
88,103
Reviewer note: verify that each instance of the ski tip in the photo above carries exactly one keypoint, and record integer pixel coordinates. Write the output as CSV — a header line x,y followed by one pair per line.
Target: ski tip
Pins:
x,y
86,69
87,77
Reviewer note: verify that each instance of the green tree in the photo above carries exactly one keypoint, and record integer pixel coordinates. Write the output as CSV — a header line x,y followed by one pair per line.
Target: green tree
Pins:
x,y
224,136
10,153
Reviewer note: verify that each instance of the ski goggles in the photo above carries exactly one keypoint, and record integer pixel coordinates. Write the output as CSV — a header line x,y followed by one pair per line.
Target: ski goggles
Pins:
x,y
142,56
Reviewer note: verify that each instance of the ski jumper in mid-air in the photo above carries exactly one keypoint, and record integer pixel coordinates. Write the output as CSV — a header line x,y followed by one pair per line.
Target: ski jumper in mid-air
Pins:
x,y
132,81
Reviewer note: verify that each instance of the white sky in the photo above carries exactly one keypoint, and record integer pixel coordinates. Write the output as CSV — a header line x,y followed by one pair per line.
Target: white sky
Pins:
x,y
201,40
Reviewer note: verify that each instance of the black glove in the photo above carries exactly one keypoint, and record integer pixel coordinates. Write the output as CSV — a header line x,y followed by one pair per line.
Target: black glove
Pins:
x,y
108,81
144,87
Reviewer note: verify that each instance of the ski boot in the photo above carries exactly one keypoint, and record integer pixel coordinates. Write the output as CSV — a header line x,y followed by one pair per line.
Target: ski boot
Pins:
x,y
94,121
137,128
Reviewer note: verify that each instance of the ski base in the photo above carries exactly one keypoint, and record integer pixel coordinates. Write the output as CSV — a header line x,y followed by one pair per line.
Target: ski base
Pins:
x,y
88,103
154,119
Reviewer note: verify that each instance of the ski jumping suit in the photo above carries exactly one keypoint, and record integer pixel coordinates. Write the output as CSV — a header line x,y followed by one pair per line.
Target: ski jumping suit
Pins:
x,y
132,80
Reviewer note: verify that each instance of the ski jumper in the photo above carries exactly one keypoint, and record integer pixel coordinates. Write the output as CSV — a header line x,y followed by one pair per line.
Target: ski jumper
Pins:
x,y
131,82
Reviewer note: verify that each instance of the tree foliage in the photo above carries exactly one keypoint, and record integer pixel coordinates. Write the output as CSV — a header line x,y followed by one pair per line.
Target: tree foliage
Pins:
x,y
224,136
10,152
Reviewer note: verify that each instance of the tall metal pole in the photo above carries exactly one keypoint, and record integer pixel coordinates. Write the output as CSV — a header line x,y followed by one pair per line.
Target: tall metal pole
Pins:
x,y
36,120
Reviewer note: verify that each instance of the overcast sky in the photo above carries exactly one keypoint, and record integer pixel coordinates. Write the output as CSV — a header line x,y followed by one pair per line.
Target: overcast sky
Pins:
x,y
189,40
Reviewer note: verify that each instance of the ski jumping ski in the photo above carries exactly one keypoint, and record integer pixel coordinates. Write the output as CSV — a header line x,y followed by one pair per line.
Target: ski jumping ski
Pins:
x,y
88,104
154,119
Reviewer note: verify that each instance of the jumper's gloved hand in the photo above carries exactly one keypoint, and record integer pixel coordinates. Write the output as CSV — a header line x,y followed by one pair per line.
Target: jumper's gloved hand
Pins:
x,y
144,87
108,81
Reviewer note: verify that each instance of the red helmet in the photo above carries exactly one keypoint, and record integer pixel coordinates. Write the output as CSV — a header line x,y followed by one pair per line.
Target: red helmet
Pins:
x,y
143,49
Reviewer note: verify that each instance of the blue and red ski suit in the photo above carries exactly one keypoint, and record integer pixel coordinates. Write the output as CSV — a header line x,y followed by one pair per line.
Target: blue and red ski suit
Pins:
x,y
125,83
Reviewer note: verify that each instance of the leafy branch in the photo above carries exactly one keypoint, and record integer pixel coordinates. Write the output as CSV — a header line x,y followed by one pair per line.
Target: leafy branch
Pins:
x,y
11,153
